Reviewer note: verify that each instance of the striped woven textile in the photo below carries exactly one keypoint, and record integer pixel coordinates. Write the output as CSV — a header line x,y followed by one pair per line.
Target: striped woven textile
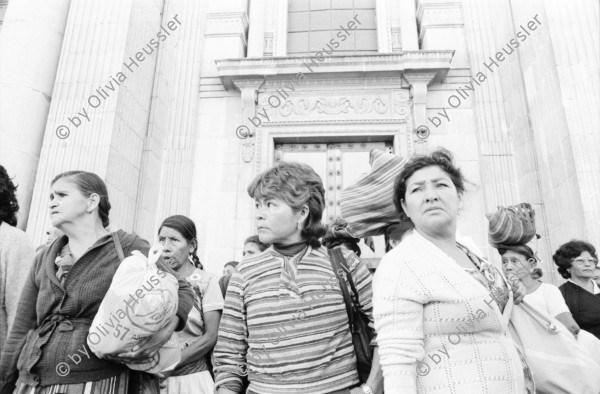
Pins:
x,y
368,205
286,326
513,225
114,385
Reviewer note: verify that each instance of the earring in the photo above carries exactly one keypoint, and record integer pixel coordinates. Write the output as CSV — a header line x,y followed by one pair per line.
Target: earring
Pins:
x,y
191,259
299,226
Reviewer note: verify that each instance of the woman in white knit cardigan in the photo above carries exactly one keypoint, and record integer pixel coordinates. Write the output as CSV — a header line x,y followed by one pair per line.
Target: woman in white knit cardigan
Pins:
x,y
441,311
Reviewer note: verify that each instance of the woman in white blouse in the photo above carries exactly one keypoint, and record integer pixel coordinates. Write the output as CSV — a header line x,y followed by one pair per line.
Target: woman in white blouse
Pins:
x,y
521,261
441,311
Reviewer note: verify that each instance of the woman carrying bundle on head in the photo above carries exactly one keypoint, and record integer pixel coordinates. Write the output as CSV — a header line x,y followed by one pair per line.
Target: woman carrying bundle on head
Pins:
x,y
520,261
563,358
285,324
177,235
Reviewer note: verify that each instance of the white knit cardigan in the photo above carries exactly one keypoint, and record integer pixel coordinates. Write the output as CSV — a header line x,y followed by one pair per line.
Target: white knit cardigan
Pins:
x,y
438,329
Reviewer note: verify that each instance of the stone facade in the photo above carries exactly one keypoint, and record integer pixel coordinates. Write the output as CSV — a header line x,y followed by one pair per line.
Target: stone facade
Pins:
x,y
84,86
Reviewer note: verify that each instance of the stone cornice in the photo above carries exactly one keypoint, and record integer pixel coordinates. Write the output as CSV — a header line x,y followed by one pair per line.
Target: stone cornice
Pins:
x,y
436,62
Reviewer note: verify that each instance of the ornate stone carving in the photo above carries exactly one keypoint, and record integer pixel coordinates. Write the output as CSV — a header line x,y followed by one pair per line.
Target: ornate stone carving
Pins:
x,y
401,104
333,106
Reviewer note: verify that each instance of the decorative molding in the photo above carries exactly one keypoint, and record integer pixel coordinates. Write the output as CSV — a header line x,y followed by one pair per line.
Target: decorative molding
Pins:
x,y
334,122
401,104
433,14
436,62
333,106
227,24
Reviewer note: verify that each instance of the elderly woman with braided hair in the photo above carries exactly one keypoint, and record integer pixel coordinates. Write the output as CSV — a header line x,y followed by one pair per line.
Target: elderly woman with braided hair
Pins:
x,y
177,235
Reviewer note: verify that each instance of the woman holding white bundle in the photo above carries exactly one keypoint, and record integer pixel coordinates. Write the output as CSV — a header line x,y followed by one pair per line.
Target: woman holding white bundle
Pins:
x,y
177,235
46,350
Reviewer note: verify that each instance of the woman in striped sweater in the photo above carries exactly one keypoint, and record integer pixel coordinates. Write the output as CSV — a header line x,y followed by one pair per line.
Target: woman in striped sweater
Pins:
x,y
284,324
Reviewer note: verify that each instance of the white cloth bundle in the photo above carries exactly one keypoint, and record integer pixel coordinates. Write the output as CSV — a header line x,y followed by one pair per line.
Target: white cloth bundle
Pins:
x,y
560,364
141,300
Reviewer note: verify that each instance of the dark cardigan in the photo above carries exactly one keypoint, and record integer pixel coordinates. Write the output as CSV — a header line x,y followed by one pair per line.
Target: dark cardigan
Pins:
x,y
52,322
584,306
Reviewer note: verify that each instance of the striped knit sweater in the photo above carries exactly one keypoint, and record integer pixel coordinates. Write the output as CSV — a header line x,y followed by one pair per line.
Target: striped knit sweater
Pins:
x,y
285,324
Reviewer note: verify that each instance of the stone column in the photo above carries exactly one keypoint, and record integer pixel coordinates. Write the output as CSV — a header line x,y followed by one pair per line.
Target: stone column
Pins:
x,y
407,16
575,32
280,27
102,96
508,152
384,27
256,31
169,154
30,45
220,174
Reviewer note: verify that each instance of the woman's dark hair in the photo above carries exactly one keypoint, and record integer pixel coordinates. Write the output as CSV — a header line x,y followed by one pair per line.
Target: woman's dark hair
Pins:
x,y
297,184
9,206
89,183
186,227
441,158
255,240
564,255
528,253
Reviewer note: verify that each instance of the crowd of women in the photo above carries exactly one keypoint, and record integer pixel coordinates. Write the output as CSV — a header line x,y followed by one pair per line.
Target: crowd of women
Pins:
x,y
441,318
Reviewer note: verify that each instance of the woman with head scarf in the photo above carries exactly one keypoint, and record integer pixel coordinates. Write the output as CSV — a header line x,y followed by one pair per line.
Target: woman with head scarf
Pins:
x,y
285,324
46,351
441,310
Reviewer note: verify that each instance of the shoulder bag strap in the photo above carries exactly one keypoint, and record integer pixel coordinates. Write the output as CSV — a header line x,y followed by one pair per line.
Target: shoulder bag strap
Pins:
x,y
346,269
118,246
336,257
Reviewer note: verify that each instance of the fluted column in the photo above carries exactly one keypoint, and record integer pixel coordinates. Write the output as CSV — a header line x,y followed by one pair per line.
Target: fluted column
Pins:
x,y
407,22
384,26
256,31
220,174
102,96
280,27
495,147
575,41
558,176
168,163
30,44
